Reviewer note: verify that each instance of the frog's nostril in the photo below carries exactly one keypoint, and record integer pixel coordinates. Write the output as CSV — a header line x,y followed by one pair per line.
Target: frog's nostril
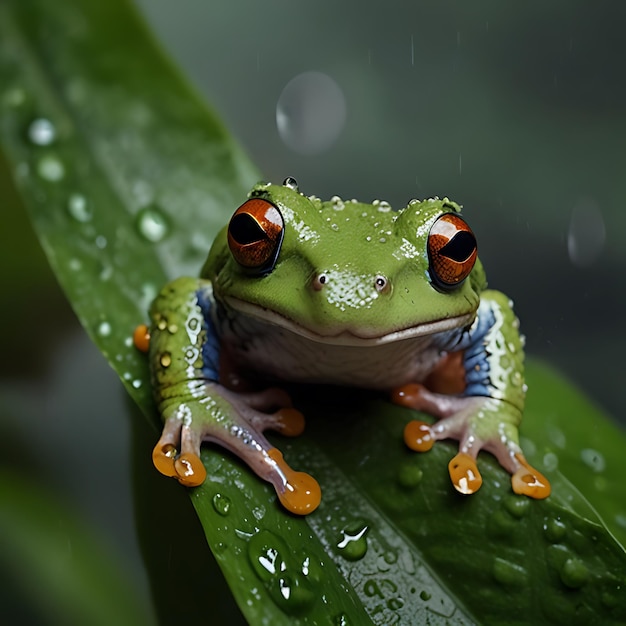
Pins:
x,y
319,281
382,284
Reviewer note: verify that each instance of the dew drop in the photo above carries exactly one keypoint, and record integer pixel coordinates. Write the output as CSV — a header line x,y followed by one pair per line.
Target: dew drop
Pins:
x,y
101,242
353,544
509,573
550,461
50,168
78,208
104,329
574,573
586,234
517,506
42,132
410,475
310,113
221,504
152,224
75,265
291,182
292,585
555,530
136,383
593,459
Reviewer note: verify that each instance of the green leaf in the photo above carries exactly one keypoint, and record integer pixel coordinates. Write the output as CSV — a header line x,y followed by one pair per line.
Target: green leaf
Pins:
x,y
127,177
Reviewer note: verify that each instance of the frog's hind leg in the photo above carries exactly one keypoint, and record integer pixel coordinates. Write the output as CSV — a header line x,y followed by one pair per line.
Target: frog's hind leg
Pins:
x,y
236,421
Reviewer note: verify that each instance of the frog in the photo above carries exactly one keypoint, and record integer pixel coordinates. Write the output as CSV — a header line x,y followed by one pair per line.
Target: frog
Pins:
x,y
340,292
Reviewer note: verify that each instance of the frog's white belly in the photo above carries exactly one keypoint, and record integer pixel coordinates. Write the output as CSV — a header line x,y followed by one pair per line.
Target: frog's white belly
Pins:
x,y
279,353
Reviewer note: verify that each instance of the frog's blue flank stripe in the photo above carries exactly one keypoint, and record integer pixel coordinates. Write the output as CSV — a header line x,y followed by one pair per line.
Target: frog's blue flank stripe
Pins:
x,y
211,345
476,357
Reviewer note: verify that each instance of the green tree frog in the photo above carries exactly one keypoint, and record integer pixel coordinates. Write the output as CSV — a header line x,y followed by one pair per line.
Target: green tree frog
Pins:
x,y
342,292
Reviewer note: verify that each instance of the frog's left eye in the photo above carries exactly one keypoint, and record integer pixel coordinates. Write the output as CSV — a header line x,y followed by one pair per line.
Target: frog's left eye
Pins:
x,y
255,233
451,251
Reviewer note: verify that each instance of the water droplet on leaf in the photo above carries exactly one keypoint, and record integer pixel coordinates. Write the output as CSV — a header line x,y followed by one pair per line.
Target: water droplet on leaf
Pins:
x,y
78,208
104,329
353,543
221,504
42,132
593,459
152,224
50,168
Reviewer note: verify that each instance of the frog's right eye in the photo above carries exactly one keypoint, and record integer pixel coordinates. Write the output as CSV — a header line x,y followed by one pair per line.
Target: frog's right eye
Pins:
x,y
255,233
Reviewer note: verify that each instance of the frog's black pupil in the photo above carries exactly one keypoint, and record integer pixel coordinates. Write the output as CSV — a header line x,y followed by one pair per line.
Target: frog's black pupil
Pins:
x,y
460,247
244,229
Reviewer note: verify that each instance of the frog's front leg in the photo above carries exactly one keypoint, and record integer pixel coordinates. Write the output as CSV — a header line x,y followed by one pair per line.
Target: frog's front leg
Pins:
x,y
487,413
184,359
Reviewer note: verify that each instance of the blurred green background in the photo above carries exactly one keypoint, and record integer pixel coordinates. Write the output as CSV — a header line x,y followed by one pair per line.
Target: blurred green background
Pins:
x,y
517,111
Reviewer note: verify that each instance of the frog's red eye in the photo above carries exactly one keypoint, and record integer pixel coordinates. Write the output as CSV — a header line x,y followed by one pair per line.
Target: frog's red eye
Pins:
x,y
255,233
451,251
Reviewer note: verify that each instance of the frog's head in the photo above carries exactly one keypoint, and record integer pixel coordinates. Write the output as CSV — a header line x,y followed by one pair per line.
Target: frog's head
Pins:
x,y
347,272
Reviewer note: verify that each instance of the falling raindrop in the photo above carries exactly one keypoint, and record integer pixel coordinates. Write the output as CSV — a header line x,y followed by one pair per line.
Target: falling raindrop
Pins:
x,y
310,113
586,234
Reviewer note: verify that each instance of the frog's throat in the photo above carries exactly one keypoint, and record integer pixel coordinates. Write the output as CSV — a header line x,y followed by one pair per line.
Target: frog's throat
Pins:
x,y
349,336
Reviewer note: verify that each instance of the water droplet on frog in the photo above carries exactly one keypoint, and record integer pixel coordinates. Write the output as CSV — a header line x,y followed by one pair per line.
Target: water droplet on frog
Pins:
x,y
310,113
292,183
104,329
587,233
384,207
338,203
425,596
78,208
50,168
353,543
42,132
593,459
152,224
221,504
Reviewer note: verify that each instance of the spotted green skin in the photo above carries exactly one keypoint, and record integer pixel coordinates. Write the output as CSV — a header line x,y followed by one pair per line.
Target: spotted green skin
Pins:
x,y
260,322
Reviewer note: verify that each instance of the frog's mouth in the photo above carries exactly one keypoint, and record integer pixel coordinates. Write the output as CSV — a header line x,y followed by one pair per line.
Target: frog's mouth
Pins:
x,y
349,336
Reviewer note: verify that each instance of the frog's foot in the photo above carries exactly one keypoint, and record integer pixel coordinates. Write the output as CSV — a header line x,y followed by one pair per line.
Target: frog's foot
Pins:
x,y
467,420
236,421
141,338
